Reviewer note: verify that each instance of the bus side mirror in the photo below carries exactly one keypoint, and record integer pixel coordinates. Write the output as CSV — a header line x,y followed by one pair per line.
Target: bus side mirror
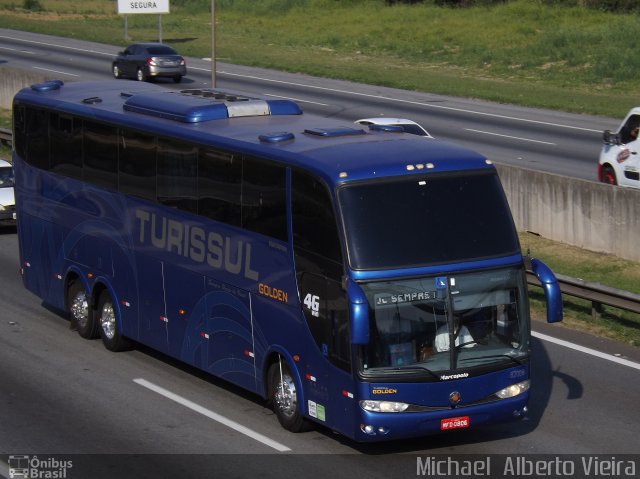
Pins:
x,y
358,313
551,288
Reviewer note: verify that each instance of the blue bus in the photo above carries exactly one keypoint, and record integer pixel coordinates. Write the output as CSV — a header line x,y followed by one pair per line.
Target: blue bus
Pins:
x,y
364,279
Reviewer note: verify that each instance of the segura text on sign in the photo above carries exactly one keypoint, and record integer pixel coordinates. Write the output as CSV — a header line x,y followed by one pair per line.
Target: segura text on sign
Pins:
x,y
126,7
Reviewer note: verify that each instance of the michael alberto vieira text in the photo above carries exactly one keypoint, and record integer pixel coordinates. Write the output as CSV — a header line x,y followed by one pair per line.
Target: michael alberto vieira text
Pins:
x,y
518,466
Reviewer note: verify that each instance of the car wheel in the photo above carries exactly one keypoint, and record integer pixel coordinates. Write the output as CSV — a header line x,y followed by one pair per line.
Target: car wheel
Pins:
x,y
177,79
79,313
116,72
283,396
140,75
107,319
609,176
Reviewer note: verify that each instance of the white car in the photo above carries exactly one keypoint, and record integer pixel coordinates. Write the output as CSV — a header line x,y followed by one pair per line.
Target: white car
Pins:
x,y
408,126
619,162
7,198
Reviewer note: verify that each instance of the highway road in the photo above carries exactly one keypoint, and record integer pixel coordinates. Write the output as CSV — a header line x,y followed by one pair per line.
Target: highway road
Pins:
x,y
556,142
140,414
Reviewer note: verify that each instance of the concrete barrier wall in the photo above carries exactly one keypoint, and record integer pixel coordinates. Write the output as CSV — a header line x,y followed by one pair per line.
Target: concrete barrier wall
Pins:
x,y
13,80
587,214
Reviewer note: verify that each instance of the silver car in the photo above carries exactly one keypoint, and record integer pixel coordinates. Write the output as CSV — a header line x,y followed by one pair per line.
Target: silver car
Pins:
x,y
7,198
147,61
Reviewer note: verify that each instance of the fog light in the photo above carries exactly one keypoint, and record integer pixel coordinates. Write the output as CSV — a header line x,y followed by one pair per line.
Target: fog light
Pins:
x,y
368,429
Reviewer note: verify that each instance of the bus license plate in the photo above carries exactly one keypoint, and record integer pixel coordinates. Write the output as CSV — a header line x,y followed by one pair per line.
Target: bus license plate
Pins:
x,y
454,423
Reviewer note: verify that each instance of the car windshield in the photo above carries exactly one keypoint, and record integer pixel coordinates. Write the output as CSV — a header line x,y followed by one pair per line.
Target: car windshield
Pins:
x,y
413,129
426,220
413,322
6,176
161,50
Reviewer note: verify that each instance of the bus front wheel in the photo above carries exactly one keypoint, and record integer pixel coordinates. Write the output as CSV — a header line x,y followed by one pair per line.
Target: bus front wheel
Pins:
x,y
283,396
79,313
108,325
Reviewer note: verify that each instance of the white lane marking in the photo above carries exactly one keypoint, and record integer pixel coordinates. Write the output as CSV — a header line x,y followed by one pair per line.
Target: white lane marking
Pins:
x,y
17,50
296,99
592,352
57,46
508,136
55,71
380,97
212,415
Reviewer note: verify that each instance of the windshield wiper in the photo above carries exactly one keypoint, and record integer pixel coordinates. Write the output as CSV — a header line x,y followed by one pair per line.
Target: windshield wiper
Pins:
x,y
412,369
515,360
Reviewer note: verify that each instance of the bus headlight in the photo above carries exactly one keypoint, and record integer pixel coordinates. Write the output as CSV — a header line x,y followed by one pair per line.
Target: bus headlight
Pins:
x,y
383,406
514,390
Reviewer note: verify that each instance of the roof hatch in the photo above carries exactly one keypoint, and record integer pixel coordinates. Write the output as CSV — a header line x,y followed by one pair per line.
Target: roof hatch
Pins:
x,y
194,106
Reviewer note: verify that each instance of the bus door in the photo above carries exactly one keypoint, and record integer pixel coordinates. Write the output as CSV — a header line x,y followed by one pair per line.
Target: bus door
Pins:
x,y
319,270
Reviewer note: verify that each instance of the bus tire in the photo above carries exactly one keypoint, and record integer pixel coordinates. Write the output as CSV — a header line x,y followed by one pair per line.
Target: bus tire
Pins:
x,y
283,396
79,312
107,320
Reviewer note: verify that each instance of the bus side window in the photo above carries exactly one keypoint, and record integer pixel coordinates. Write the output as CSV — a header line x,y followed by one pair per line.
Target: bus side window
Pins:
x,y
264,198
66,145
19,131
319,268
100,155
137,165
219,186
178,175
37,138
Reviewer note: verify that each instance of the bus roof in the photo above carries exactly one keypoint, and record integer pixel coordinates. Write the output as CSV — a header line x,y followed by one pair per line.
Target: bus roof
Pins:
x,y
338,151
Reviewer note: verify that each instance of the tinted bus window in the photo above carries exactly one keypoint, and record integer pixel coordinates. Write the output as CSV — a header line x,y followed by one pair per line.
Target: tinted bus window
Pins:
x,y
19,132
37,139
434,219
66,145
315,234
101,155
264,198
178,175
137,165
219,186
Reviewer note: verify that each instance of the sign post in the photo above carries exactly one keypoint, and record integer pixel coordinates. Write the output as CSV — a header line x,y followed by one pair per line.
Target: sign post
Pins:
x,y
213,43
126,7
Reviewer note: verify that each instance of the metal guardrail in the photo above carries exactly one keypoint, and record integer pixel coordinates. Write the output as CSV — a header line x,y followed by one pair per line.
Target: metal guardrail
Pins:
x,y
5,136
597,293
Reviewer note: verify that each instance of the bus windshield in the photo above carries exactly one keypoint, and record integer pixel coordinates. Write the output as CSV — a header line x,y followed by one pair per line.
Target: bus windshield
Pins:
x,y
426,220
413,322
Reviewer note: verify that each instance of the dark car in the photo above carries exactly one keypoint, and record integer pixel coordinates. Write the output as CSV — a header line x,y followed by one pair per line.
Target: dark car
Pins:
x,y
146,61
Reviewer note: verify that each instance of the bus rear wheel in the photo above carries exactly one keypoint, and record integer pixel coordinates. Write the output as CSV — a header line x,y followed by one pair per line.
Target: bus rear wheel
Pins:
x,y
107,320
283,396
79,313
